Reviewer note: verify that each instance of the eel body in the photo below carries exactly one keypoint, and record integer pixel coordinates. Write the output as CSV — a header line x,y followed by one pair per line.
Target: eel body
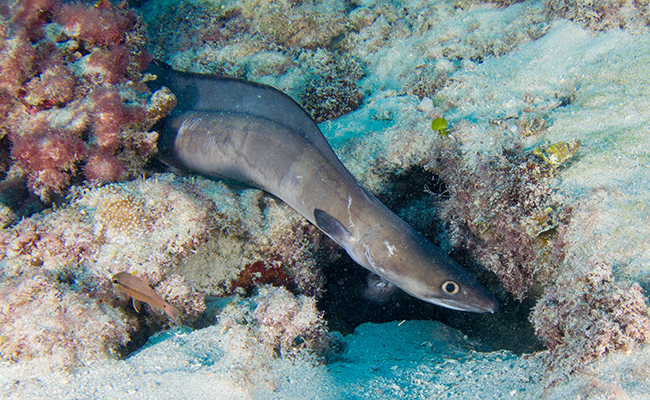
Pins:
x,y
256,134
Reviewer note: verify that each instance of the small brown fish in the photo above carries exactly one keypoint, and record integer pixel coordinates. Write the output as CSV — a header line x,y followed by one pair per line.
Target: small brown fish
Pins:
x,y
140,291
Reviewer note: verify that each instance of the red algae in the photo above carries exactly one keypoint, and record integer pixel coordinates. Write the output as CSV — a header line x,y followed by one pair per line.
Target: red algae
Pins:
x,y
72,101
258,273
113,64
104,167
54,87
103,25
50,153
32,15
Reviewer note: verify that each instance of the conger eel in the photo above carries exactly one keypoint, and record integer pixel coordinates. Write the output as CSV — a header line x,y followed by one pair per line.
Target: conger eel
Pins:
x,y
253,133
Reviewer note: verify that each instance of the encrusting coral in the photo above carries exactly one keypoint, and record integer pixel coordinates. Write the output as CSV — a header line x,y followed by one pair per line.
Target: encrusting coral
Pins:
x,y
71,252
290,45
587,314
502,211
72,102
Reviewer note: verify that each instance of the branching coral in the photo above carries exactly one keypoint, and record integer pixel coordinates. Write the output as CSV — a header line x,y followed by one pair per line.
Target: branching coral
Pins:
x,y
73,105
587,313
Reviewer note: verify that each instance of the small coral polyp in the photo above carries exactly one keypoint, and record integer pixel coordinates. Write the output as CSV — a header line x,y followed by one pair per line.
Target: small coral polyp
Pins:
x,y
66,72
123,219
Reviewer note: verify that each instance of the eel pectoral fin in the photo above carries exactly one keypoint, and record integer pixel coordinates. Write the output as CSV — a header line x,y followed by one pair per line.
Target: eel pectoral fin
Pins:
x,y
333,228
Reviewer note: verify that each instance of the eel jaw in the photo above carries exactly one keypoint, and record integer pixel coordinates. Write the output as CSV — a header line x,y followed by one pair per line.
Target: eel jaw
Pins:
x,y
478,307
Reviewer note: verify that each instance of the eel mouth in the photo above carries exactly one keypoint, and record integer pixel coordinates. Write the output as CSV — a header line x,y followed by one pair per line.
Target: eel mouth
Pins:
x,y
479,306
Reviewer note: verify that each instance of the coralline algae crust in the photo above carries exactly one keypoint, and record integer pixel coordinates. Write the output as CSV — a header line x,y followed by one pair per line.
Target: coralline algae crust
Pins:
x,y
156,228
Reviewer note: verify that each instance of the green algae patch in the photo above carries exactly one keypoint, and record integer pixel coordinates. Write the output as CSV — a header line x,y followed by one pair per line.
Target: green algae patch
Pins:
x,y
440,126
557,154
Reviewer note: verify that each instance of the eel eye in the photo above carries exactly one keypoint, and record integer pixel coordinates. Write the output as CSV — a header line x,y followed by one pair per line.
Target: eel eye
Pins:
x,y
115,281
450,288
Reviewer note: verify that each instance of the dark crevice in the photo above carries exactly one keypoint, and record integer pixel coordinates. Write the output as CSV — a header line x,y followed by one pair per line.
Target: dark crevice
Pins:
x,y
346,307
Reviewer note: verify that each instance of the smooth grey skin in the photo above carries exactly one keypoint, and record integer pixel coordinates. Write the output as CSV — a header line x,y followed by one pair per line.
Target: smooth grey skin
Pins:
x,y
255,134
